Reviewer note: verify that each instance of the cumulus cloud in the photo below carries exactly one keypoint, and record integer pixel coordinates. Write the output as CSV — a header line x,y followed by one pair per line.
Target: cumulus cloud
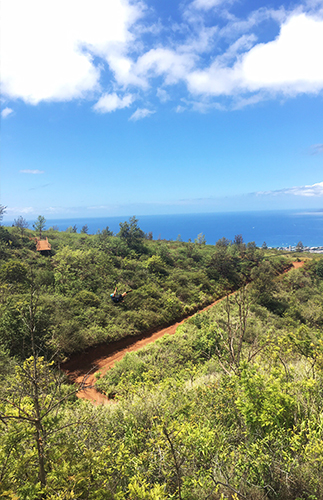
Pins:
x,y
33,172
141,113
290,64
48,46
111,102
55,50
6,112
311,190
165,62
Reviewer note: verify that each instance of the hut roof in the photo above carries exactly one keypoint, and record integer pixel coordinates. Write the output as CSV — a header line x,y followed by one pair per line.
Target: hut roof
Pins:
x,y
42,245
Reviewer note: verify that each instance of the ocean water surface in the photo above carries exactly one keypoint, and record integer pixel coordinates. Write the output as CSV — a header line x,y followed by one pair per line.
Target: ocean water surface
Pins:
x,y
276,228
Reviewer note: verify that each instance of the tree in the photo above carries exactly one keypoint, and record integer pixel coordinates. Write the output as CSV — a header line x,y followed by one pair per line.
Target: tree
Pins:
x,y
226,265
252,254
74,229
230,342
85,229
263,285
299,247
35,394
264,246
2,212
33,398
107,232
223,242
21,224
200,240
238,240
131,232
39,225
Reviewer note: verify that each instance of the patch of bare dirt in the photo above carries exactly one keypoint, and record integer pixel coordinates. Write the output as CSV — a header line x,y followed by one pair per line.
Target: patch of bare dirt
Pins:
x,y
296,265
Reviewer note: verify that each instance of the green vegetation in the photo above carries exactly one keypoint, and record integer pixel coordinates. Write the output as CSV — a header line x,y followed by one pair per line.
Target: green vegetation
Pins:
x,y
229,407
40,224
170,280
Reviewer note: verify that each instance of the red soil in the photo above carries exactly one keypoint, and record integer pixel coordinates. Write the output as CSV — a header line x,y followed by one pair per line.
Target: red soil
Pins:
x,y
298,264
82,367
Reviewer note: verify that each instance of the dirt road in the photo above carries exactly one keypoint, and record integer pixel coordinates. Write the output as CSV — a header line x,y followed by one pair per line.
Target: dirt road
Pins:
x,y
81,368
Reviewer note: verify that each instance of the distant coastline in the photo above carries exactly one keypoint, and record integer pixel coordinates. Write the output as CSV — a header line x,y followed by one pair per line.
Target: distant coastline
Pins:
x,y
281,228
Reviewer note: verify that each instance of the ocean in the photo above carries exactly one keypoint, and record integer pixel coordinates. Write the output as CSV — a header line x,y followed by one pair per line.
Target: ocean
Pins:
x,y
277,228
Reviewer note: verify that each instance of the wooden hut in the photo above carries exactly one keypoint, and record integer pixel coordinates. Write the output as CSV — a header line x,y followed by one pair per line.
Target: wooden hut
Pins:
x,y
43,245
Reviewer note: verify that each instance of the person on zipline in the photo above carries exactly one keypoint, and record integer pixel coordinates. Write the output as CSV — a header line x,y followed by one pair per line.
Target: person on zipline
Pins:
x,y
118,297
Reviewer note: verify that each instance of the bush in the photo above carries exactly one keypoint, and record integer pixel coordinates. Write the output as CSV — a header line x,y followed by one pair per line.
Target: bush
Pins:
x,y
87,298
14,272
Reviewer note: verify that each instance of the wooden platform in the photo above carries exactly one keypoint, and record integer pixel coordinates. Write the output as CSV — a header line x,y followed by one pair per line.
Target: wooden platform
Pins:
x,y
42,245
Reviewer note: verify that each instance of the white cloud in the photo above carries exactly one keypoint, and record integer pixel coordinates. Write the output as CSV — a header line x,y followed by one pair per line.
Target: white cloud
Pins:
x,y
124,70
313,190
290,64
111,102
19,210
6,112
217,80
162,95
58,50
207,4
55,210
48,46
200,41
309,191
99,207
141,113
240,102
34,172
237,26
172,65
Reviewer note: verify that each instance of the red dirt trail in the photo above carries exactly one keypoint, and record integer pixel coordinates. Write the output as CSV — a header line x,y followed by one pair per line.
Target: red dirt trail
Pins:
x,y
82,367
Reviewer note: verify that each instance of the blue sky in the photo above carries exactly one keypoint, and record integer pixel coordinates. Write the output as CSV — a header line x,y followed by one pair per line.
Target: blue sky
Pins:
x,y
119,107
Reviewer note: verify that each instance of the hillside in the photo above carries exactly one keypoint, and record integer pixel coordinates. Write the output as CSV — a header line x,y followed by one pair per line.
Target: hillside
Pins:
x,y
170,280
228,407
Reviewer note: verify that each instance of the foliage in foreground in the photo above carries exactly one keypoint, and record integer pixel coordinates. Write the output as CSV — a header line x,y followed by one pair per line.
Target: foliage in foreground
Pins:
x,y
189,421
